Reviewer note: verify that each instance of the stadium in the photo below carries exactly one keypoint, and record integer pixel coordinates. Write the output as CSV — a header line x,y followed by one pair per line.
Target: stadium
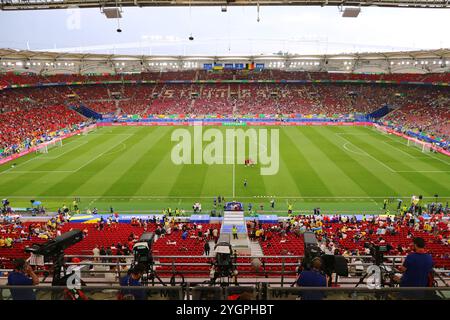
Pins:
x,y
284,176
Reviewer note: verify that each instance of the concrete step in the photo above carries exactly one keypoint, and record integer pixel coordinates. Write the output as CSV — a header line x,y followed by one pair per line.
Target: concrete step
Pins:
x,y
256,249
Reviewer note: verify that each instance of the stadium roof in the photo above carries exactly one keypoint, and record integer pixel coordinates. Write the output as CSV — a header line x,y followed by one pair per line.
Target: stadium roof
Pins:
x,y
10,54
63,4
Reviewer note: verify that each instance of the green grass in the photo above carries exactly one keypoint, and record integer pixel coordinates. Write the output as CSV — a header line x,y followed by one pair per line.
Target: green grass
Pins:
x,y
339,169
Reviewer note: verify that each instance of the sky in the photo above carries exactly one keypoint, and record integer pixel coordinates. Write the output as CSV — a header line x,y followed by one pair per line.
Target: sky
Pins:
x,y
165,31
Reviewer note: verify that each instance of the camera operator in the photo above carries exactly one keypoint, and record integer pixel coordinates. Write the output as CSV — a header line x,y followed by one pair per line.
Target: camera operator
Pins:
x,y
133,279
417,267
312,278
23,275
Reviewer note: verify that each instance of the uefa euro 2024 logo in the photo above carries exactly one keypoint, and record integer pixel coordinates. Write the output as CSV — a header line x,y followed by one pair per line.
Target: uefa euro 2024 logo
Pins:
x,y
228,148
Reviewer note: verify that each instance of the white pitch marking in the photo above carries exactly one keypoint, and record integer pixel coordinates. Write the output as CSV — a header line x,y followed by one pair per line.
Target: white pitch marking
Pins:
x,y
396,149
101,154
212,196
382,163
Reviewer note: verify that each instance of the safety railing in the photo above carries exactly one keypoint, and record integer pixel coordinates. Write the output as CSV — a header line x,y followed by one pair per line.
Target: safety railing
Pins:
x,y
189,292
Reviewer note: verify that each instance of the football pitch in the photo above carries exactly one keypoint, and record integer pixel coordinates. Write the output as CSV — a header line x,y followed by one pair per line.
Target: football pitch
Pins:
x,y
338,169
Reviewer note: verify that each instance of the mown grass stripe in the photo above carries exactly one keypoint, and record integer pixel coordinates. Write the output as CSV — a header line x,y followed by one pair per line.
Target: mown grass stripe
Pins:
x,y
417,180
142,166
326,167
362,176
308,181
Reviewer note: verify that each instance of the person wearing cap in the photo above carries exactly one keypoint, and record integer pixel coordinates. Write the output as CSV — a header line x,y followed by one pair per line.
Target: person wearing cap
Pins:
x,y
23,275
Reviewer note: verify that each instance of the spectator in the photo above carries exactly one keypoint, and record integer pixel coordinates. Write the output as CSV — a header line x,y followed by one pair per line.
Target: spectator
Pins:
x,y
23,275
312,278
207,248
417,267
132,279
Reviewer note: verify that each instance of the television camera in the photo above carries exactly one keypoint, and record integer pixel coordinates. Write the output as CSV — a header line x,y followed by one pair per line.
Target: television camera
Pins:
x,y
54,250
330,263
386,275
142,252
224,264
377,251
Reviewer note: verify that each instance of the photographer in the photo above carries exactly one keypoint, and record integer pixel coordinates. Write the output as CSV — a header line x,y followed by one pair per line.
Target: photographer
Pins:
x,y
418,266
23,275
312,278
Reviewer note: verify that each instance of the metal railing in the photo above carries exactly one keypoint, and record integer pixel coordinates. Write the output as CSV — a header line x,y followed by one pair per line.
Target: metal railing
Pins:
x,y
282,271
190,292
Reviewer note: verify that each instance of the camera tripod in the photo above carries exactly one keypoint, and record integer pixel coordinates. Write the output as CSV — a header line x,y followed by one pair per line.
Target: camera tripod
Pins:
x,y
384,273
151,275
225,278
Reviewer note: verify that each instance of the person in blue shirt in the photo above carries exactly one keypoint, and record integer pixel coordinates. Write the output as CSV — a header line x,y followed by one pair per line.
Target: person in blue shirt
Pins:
x,y
132,279
184,235
312,278
417,266
23,275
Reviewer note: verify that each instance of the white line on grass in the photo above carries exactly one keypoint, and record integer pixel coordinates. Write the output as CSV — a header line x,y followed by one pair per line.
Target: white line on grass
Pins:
x,y
21,164
423,153
123,197
397,149
346,148
56,157
380,162
103,153
353,134
419,171
41,171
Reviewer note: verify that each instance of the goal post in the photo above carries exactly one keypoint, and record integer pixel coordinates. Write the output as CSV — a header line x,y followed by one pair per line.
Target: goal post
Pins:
x,y
44,147
422,145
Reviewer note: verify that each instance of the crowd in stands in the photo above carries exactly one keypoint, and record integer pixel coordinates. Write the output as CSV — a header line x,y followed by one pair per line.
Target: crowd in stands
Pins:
x,y
255,74
22,129
423,112
16,235
344,235
28,113
349,237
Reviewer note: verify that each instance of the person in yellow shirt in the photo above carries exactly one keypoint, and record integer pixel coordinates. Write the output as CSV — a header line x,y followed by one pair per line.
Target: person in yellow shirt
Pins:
x,y
2,242
8,242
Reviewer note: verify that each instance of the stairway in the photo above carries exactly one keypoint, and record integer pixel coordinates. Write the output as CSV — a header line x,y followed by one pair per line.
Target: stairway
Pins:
x,y
256,249
235,218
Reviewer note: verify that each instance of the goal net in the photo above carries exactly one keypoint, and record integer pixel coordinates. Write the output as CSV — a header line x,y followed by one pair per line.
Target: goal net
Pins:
x,y
43,148
89,129
424,146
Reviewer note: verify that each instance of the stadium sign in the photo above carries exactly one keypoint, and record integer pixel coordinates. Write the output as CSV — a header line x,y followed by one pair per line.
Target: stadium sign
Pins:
x,y
229,148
